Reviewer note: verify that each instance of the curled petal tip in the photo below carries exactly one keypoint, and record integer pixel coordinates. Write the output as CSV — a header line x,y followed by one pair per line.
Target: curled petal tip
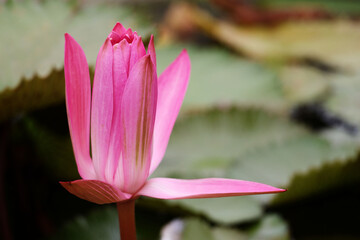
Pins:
x,y
151,38
117,24
184,53
119,28
151,49
68,37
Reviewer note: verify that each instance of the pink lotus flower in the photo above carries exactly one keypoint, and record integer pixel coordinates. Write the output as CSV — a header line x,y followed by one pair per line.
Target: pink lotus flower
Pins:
x,y
130,116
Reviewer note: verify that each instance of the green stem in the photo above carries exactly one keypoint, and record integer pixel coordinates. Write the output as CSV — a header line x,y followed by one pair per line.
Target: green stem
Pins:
x,y
126,212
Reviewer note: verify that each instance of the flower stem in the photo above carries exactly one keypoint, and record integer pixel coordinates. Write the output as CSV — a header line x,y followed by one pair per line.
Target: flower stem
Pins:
x,y
126,212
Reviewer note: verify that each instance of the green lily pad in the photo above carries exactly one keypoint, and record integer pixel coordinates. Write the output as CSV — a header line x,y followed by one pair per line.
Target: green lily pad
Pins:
x,y
329,176
100,224
195,229
334,6
303,84
207,144
345,96
249,145
54,149
271,227
220,78
103,224
32,47
226,210
221,233
276,163
332,42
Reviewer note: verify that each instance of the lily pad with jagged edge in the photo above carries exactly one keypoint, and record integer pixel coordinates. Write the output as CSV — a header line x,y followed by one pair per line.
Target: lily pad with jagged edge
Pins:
x,y
32,50
249,145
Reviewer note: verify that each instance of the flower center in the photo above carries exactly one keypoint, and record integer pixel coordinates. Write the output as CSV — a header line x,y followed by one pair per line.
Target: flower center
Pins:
x,y
116,38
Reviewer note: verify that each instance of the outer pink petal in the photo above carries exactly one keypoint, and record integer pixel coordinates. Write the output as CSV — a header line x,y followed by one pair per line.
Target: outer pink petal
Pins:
x,y
78,95
168,188
95,191
137,52
138,116
172,86
121,58
102,108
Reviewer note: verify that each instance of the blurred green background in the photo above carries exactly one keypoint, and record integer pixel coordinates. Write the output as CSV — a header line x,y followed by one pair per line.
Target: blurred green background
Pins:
x,y
274,97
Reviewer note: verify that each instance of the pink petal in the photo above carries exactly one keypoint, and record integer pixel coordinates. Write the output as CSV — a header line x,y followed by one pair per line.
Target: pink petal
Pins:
x,y
102,108
77,84
119,29
114,37
138,116
95,191
168,188
120,66
151,50
172,86
137,52
123,51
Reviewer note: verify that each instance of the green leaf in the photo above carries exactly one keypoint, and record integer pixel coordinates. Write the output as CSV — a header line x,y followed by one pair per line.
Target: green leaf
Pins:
x,y
221,233
332,42
329,176
220,78
345,95
100,224
245,144
271,227
195,229
32,47
54,148
32,94
226,210
334,6
207,144
303,84
276,163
